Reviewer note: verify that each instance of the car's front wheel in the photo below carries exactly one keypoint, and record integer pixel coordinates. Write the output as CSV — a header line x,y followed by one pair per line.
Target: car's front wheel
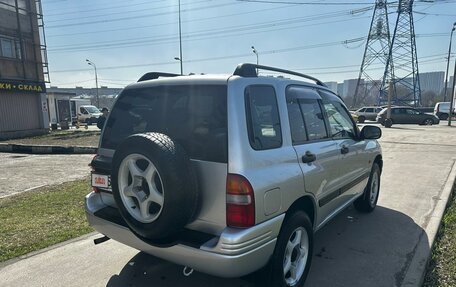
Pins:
x,y
292,256
361,119
368,201
388,123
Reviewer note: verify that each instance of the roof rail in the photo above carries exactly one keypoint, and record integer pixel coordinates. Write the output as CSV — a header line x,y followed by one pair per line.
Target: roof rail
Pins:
x,y
250,70
155,75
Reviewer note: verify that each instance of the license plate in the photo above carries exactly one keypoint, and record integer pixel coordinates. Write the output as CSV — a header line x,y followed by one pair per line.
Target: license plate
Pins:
x,y
101,180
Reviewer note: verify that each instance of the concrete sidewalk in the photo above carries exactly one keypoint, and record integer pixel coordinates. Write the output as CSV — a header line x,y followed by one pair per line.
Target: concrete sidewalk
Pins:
x,y
389,247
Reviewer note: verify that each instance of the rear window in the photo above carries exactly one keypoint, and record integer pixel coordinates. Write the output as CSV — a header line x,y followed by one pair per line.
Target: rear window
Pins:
x,y
263,120
193,116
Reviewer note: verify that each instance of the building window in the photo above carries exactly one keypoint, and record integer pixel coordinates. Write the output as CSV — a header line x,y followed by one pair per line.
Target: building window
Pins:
x,y
10,48
11,6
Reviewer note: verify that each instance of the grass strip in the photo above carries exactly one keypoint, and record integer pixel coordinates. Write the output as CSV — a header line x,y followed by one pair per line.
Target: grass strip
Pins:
x,y
441,270
41,218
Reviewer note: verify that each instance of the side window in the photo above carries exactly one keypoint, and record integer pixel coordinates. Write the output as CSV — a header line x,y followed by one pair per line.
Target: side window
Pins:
x,y
313,119
412,112
83,111
340,123
361,110
298,130
263,122
369,110
377,110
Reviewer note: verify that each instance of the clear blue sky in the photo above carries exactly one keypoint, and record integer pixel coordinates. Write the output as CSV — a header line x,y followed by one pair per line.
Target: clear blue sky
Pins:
x,y
129,38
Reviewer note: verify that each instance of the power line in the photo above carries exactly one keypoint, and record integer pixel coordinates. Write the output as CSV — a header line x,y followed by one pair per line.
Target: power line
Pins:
x,y
96,9
304,3
205,33
170,23
136,17
269,52
121,12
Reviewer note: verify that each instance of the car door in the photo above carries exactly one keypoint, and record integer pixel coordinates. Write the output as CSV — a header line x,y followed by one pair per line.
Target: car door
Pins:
x,y
353,165
399,116
316,151
414,116
369,113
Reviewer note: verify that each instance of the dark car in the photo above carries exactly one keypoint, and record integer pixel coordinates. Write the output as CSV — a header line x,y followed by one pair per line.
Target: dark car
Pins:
x,y
407,115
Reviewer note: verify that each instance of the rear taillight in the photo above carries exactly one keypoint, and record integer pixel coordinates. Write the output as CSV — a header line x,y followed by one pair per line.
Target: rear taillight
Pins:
x,y
94,189
240,202
91,162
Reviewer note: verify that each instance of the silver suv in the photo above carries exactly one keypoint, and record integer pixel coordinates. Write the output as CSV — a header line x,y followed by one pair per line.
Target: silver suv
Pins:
x,y
367,113
230,174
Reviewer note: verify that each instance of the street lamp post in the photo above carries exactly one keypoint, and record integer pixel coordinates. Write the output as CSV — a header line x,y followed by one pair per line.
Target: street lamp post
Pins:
x,y
450,114
448,62
180,60
256,53
180,39
96,79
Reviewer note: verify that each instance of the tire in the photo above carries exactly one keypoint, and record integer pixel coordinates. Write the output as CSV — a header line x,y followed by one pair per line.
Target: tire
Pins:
x,y
388,123
368,201
428,122
154,186
361,119
443,116
289,249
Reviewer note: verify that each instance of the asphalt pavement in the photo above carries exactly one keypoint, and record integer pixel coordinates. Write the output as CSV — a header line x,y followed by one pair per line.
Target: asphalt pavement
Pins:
x,y
388,247
25,172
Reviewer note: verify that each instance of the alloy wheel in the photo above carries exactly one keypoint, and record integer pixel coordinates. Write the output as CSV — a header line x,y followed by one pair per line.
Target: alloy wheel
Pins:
x,y
141,188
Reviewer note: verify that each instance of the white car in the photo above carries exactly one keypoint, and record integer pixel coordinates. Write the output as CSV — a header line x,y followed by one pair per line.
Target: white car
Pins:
x,y
367,113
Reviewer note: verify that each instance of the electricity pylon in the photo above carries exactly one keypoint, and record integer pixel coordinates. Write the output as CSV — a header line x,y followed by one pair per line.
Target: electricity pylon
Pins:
x,y
401,77
375,57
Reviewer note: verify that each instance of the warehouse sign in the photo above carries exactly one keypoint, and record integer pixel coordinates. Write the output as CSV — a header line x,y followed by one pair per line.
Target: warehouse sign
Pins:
x,y
22,86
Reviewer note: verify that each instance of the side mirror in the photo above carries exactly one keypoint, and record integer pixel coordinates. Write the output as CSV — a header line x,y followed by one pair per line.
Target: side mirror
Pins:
x,y
370,133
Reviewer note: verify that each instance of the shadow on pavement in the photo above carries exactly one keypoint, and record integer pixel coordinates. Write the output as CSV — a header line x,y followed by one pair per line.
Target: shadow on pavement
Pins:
x,y
358,249
354,249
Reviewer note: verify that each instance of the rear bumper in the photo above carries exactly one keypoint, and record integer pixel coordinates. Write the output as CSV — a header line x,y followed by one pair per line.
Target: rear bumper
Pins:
x,y
236,252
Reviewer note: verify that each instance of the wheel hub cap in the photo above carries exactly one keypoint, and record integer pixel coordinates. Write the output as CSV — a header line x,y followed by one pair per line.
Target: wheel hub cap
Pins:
x,y
295,259
140,188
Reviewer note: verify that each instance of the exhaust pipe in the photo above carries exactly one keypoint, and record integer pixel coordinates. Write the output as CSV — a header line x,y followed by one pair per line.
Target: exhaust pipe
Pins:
x,y
101,240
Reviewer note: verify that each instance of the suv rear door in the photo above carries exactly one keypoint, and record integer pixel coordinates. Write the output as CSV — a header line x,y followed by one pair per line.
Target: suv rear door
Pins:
x,y
317,153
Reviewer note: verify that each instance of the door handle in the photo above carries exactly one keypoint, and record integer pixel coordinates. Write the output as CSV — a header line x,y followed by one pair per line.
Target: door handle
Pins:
x,y
344,150
308,157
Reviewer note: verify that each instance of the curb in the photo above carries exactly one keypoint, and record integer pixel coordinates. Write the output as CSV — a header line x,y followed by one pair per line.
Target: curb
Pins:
x,y
423,250
46,149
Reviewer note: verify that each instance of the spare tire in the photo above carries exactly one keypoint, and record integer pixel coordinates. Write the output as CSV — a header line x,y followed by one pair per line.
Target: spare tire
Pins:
x,y
154,185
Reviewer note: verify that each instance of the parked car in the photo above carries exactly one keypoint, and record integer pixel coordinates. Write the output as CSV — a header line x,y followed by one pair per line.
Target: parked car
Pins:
x,y
230,174
367,113
407,115
354,116
442,110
